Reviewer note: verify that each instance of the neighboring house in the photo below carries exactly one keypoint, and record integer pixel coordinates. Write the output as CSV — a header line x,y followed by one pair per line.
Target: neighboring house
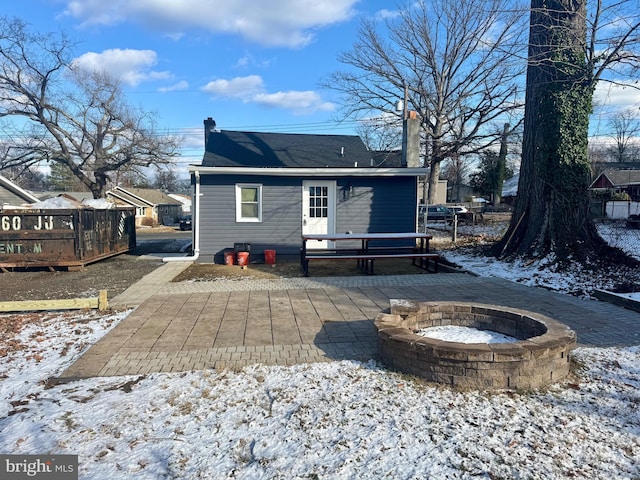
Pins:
x,y
459,193
619,181
13,195
441,191
267,189
153,207
185,200
510,190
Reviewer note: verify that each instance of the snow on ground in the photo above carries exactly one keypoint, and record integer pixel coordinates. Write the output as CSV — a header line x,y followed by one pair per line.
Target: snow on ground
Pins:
x,y
574,280
458,334
618,235
334,420
632,296
338,420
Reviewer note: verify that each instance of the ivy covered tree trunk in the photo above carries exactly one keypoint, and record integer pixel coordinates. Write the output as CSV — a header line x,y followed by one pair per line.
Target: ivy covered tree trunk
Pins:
x,y
551,214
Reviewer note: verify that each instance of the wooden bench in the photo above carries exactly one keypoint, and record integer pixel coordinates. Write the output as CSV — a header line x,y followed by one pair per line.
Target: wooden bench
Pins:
x,y
366,259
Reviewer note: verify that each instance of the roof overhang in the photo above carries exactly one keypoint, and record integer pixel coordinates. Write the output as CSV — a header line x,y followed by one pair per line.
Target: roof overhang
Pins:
x,y
310,172
129,199
18,191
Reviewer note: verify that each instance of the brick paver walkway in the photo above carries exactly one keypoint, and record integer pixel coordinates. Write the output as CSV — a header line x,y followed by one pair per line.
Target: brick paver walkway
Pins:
x,y
232,324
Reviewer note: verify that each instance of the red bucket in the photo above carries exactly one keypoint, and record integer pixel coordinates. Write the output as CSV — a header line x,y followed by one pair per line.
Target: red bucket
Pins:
x,y
270,257
229,257
243,258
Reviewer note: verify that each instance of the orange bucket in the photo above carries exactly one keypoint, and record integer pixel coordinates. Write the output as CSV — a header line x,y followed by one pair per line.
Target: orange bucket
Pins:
x,y
270,257
243,258
229,257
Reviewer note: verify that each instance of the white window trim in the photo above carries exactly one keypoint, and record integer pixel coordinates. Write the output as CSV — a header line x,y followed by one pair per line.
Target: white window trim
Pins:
x,y
239,218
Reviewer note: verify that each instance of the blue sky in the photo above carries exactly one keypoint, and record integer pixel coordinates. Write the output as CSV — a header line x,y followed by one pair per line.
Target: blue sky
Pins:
x,y
250,64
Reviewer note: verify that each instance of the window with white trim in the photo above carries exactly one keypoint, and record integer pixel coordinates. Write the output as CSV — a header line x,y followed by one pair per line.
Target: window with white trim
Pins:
x,y
248,202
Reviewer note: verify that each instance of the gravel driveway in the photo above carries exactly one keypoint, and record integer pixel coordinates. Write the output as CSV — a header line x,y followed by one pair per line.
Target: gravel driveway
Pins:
x,y
113,274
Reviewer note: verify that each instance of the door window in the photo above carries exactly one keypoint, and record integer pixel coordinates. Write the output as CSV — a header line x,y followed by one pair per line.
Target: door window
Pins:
x,y
318,202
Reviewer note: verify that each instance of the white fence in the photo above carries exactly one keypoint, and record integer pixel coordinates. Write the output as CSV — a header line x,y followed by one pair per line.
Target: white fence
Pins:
x,y
622,209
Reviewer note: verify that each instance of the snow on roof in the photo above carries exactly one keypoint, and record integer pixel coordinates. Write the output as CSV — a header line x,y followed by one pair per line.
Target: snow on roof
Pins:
x,y
64,203
101,203
55,203
510,186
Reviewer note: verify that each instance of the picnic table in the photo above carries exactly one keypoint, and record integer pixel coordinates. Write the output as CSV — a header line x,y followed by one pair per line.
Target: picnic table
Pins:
x,y
365,248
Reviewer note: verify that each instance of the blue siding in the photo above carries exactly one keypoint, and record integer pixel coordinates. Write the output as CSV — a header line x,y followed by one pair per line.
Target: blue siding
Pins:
x,y
374,205
364,204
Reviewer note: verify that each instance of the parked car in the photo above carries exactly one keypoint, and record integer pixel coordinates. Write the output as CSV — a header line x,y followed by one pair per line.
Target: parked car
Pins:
x,y
435,212
459,209
185,223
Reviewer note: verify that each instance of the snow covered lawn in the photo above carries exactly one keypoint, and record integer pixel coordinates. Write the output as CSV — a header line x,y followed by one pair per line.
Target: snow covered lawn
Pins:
x,y
340,420
333,420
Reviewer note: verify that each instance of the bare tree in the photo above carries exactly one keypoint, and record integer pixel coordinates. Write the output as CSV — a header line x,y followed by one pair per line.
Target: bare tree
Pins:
x,y
55,112
27,178
380,134
168,181
459,62
597,155
625,127
570,50
456,170
383,137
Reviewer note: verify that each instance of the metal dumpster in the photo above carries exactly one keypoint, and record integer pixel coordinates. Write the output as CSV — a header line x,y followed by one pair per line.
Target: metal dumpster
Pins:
x,y
70,238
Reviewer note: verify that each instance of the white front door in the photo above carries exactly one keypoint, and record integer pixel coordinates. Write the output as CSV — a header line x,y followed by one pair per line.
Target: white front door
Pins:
x,y
318,209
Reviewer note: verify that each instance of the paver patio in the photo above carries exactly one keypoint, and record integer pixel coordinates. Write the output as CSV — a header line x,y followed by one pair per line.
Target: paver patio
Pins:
x,y
232,324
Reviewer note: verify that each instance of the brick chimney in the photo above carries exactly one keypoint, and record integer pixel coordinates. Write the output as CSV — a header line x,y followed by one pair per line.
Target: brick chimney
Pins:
x,y
411,141
209,127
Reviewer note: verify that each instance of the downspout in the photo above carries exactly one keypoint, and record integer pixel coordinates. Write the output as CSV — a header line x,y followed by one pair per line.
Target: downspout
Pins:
x,y
195,227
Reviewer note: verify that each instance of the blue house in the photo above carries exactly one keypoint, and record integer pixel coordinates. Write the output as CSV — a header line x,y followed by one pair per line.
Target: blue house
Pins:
x,y
267,189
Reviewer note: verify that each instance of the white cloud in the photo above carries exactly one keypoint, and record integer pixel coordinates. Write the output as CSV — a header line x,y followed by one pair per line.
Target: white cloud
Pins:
x,y
248,60
621,95
385,14
243,61
240,87
298,102
129,66
181,85
251,89
288,23
191,139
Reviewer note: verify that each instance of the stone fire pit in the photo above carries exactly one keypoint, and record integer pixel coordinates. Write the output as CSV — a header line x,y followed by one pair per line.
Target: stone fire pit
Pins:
x,y
539,355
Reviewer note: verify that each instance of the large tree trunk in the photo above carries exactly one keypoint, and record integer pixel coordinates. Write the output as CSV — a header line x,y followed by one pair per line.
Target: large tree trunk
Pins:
x,y
436,161
551,213
434,178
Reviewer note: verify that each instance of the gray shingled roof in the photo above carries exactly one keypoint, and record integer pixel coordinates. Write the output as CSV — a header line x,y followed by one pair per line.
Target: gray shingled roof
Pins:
x,y
149,195
279,150
388,159
623,177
